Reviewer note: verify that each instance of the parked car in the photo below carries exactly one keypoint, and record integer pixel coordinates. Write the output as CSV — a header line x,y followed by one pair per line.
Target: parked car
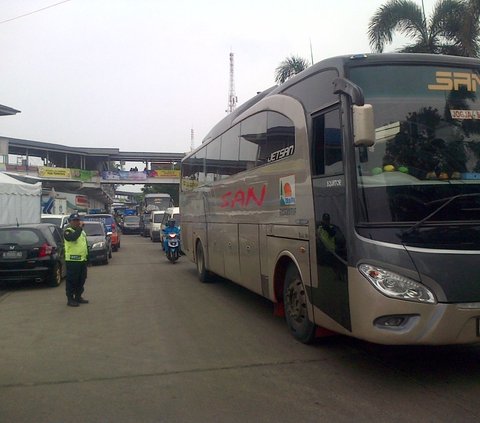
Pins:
x,y
170,213
99,243
61,220
32,252
110,226
131,225
156,218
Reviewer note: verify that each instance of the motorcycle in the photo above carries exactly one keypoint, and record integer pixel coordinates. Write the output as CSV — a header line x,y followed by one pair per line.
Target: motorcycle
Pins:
x,y
173,247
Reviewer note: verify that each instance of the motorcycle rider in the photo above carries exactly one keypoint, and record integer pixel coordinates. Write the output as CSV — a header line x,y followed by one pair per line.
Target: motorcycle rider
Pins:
x,y
169,229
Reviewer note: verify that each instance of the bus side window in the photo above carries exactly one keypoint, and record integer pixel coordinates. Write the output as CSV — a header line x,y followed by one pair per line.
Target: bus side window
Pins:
x,y
200,166
327,144
229,152
280,137
212,161
253,138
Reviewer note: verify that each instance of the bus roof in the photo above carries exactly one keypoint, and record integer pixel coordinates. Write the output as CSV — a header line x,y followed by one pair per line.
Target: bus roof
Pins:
x,y
340,63
158,195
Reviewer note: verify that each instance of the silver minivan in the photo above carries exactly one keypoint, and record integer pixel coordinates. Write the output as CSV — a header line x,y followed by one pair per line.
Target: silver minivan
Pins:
x,y
61,220
156,218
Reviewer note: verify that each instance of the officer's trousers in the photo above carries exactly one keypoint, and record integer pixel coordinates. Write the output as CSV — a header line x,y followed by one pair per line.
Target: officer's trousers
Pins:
x,y
76,277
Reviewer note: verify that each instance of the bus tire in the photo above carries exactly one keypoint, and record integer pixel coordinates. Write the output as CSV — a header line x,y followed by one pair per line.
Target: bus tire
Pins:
x,y
202,272
295,302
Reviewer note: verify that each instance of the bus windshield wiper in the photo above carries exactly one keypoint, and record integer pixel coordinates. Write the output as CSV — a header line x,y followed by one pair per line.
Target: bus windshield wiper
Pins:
x,y
448,200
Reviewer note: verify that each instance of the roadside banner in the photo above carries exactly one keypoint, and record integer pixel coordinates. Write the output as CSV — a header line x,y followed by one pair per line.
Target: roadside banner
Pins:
x,y
162,173
54,172
123,175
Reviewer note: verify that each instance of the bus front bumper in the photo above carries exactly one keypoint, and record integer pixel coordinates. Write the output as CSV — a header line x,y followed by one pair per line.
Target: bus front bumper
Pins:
x,y
383,320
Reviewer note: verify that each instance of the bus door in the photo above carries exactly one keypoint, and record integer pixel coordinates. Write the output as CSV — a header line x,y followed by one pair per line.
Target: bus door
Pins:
x,y
328,179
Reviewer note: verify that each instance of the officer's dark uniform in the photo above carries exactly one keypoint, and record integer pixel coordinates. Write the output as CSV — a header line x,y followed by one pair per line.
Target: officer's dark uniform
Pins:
x,y
76,256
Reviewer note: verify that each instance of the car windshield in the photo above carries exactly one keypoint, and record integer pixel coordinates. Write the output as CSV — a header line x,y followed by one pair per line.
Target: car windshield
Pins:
x,y
157,217
131,219
427,146
93,229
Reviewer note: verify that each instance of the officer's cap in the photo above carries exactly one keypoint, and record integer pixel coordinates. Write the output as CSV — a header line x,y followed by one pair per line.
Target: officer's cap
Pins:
x,y
74,216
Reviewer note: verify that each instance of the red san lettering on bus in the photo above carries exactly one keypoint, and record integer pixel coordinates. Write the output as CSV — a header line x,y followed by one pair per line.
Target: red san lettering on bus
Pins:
x,y
242,199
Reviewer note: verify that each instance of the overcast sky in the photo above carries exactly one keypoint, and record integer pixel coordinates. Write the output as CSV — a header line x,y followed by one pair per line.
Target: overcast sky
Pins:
x,y
139,74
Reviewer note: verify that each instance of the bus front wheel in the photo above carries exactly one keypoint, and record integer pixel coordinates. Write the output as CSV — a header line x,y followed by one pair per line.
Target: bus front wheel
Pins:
x,y
295,303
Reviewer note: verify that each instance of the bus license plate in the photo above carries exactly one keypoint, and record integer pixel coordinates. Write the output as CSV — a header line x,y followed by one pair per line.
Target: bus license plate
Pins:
x,y
12,254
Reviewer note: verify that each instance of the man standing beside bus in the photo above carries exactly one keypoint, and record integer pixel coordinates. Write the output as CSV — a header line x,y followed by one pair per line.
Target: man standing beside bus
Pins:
x,y
76,256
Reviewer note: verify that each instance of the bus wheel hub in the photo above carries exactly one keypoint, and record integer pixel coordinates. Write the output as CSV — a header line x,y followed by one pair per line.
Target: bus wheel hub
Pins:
x,y
295,301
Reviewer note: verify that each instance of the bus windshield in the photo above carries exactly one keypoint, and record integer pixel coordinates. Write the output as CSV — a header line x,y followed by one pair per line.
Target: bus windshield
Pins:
x,y
157,203
425,164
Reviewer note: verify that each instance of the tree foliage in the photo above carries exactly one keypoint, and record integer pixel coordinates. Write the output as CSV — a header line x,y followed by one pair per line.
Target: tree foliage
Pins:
x,y
453,28
290,67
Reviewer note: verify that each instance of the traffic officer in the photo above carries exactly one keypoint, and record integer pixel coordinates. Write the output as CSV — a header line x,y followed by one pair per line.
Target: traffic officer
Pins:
x,y
76,256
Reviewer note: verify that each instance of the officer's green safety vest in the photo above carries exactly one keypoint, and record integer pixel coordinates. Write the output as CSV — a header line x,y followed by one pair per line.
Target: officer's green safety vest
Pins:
x,y
76,250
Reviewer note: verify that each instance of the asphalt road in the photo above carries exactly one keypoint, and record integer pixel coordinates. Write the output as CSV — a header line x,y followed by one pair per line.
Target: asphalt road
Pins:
x,y
156,345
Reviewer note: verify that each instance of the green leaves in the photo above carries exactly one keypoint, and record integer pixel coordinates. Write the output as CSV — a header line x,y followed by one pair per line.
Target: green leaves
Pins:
x,y
453,27
290,67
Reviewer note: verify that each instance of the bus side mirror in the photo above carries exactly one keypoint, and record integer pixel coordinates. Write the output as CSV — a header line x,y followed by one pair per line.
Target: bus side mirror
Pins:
x,y
363,126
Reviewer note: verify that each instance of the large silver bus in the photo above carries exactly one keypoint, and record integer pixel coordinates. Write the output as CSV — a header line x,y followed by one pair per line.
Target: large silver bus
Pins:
x,y
156,201
350,197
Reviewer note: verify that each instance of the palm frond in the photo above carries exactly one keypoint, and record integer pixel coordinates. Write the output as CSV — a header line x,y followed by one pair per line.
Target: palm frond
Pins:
x,y
290,67
403,16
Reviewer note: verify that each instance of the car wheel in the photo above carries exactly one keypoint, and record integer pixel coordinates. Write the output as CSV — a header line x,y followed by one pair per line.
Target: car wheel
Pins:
x,y
55,278
106,260
295,303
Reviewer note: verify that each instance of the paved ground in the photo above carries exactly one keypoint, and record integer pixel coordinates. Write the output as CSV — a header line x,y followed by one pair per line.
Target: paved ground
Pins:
x,y
155,345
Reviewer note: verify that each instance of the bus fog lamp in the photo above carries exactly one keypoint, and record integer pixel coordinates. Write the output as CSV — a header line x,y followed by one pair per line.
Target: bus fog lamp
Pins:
x,y
396,286
390,321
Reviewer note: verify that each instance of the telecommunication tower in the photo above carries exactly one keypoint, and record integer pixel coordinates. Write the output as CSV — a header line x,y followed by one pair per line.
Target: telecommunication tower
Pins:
x,y
192,140
232,98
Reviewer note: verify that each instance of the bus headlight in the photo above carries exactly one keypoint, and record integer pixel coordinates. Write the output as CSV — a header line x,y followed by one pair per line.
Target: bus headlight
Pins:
x,y
396,286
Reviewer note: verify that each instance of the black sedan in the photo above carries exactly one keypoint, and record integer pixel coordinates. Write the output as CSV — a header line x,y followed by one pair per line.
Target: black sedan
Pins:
x,y
99,243
32,252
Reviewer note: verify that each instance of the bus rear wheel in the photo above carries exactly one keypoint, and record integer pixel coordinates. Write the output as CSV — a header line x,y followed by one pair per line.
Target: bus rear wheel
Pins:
x,y
295,303
203,274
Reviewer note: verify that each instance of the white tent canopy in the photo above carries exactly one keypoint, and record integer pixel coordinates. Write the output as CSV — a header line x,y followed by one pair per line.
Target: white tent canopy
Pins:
x,y
19,202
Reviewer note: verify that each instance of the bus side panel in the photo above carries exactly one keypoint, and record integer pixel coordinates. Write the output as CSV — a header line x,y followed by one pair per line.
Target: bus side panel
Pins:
x,y
250,257
187,240
232,263
263,257
216,247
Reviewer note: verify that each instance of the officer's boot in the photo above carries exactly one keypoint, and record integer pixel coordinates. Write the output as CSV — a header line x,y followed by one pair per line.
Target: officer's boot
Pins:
x,y
72,303
80,300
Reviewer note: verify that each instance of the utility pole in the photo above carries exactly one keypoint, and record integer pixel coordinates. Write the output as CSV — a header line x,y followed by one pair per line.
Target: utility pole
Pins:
x,y
232,98
192,140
